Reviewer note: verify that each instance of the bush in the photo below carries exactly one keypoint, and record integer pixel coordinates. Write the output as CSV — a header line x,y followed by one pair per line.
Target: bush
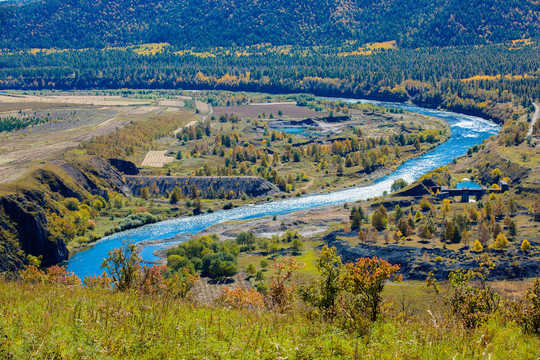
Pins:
x,y
500,242
56,275
241,299
525,245
530,316
472,304
137,220
97,281
425,204
477,246
71,204
250,269
398,184
364,280
281,290
219,265
177,263
379,219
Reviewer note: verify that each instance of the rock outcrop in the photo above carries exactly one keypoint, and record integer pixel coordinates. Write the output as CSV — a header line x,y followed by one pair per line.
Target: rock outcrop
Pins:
x,y
416,263
26,215
124,166
208,186
96,176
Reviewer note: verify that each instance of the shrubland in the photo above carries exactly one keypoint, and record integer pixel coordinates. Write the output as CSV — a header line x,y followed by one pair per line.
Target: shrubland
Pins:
x,y
341,315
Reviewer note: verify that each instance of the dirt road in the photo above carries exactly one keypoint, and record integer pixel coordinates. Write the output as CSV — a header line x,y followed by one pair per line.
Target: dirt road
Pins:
x,y
534,119
14,163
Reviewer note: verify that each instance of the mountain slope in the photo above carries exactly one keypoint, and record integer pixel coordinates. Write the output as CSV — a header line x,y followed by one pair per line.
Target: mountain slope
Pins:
x,y
413,23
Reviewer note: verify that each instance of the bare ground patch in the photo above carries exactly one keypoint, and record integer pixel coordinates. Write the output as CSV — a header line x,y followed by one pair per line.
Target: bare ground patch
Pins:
x,y
206,291
190,124
252,111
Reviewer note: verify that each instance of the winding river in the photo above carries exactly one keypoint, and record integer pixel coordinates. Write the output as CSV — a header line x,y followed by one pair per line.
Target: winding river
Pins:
x,y
466,131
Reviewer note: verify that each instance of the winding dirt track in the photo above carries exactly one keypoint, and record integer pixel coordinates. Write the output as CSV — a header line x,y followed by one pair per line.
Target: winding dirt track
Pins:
x,y
534,119
16,162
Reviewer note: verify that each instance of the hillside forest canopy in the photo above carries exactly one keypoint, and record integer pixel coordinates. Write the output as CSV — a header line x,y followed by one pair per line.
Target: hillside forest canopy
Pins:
x,y
412,23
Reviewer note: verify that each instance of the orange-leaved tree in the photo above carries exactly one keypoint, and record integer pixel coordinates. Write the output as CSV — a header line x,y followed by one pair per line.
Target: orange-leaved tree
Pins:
x,y
241,299
365,279
57,275
281,290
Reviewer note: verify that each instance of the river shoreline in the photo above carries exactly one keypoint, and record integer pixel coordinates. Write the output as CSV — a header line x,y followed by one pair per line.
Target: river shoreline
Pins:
x,y
466,131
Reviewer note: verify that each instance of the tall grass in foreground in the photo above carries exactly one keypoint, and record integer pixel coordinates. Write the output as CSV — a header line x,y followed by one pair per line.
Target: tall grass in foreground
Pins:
x,y
47,321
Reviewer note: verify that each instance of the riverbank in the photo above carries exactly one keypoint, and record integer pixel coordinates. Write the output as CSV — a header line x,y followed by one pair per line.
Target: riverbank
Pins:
x,y
465,132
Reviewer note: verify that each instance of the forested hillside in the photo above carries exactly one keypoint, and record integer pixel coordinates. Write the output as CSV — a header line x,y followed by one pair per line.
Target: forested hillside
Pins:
x,y
412,23
477,80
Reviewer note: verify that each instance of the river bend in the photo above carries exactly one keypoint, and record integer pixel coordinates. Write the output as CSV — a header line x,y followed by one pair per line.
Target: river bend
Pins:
x,y
466,131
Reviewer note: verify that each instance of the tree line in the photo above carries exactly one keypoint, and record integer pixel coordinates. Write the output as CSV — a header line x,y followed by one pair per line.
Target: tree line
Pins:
x,y
475,80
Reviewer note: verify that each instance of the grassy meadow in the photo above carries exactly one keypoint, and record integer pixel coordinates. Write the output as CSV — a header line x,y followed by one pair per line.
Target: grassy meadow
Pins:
x,y
60,322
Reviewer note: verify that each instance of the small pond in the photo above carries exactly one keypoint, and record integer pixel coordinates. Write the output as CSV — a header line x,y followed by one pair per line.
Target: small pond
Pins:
x,y
468,184
292,130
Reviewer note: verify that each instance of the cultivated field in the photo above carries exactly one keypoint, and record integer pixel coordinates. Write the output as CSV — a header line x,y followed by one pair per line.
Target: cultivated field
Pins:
x,y
202,107
74,119
171,102
74,99
156,159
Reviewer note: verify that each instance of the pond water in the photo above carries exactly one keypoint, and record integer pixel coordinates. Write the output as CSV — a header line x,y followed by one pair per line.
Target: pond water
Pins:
x,y
468,184
292,130
466,131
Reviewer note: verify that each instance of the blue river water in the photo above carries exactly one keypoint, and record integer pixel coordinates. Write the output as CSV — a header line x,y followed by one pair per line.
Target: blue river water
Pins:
x,y
466,131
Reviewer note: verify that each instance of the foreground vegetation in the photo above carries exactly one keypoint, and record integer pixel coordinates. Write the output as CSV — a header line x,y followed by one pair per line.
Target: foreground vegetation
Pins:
x,y
342,315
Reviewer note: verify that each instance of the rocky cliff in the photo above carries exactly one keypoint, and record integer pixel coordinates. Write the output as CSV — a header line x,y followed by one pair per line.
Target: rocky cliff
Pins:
x,y
25,215
24,224
208,186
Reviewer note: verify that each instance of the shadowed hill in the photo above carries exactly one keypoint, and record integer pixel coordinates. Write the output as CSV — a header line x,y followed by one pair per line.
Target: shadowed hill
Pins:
x,y
412,23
